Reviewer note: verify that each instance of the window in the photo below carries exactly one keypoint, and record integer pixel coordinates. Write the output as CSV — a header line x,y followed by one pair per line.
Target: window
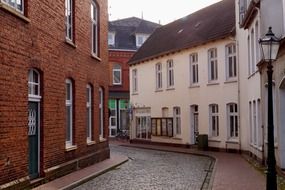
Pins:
x,y
135,80
177,120
18,5
213,64
232,113
117,74
34,84
194,77
101,112
94,20
248,55
252,52
231,63
89,112
69,112
250,123
111,38
254,118
140,39
257,46
214,120
158,74
69,19
170,73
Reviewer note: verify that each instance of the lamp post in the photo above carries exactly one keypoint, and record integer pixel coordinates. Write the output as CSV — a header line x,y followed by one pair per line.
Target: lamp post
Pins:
x,y
270,45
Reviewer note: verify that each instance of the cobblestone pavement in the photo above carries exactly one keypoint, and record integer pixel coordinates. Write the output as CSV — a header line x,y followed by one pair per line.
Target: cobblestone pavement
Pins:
x,y
152,170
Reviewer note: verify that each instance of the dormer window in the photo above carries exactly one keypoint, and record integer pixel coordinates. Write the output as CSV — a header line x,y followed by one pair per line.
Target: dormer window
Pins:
x,y
140,39
111,38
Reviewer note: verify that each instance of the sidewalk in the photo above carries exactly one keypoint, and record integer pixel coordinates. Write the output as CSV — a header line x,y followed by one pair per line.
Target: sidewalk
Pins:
x,y
231,170
81,176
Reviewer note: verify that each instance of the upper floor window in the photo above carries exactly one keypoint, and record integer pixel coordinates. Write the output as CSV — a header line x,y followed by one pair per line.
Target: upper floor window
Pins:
x,y
94,20
69,112
140,39
89,112
158,74
117,74
135,80
231,63
69,19
232,115
177,120
213,64
194,77
18,5
170,73
34,84
111,38
214,120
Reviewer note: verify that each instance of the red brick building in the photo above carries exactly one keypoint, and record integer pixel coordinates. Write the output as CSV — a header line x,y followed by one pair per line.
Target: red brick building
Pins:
x,y
124,38
53,88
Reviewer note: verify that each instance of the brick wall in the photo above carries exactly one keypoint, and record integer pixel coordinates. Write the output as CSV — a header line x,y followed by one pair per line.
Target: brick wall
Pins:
x,y
40,44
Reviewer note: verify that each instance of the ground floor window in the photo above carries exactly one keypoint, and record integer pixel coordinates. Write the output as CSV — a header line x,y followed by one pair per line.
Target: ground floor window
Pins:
x,y
232,113
143,129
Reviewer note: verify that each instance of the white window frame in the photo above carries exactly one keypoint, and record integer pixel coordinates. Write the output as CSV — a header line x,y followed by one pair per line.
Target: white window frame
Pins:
x,y
214,114
15,5
69,23
234,116
69,103
231,62
212,64
94,34
34,85
117,68
170,73
158,76
251,123
101,112
111,38
89,112
177,120
140,39
252,52
194,69
257,46
135,80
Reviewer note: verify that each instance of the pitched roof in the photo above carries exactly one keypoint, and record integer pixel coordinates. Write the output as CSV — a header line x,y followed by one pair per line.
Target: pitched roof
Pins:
x,y
211,23
125,30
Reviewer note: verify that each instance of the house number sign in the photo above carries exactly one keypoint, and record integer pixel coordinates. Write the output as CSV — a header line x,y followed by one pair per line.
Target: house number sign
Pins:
x,y
32,122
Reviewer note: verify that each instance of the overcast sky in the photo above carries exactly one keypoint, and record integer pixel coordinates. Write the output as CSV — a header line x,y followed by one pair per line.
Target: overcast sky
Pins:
x,y
164,11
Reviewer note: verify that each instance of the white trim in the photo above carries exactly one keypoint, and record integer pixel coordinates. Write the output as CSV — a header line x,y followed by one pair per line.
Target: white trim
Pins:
x,y
89,112
69,25
101,111
94,21
213,60
234,63
122,50
193,69
15,5
69,103
119,69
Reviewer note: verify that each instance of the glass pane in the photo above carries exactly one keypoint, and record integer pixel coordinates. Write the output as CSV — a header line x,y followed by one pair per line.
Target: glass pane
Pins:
x,y
88,122
94,38
36,89
68,93
112,104
68,123
117,77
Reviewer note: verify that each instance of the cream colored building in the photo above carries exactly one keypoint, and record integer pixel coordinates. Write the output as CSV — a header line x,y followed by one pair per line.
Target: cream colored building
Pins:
x,y
188,85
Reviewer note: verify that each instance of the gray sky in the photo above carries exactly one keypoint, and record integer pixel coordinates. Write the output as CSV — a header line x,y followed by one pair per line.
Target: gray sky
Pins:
x,y
164,11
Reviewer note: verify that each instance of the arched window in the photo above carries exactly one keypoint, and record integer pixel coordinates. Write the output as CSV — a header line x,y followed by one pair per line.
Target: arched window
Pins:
x,y
34,84
89,112
95,27
117,74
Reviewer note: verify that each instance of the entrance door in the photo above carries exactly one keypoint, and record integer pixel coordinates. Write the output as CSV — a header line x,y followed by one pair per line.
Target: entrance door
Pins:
x,y
33,136
195,123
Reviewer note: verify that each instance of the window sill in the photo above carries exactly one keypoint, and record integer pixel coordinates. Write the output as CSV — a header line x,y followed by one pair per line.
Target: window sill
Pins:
x,y
177,138
71,43
89,143
70,148
213,139
101,139
256,147
230,81
135,93
252,74
212,83
95,57
232,141
117,84
170,88
14,12
194,86
158,90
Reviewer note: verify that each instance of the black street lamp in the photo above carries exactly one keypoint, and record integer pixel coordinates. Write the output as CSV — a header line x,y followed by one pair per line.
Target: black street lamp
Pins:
x,y
270,45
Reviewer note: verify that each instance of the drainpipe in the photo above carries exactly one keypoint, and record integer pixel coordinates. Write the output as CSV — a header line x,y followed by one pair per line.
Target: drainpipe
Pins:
x,y
239,111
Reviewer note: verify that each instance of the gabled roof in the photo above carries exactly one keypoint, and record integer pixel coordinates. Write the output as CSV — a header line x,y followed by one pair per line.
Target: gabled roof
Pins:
x,y
211,23
126,29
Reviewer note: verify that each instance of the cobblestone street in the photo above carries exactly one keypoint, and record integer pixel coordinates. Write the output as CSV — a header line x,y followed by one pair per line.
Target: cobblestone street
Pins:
x,y
150,169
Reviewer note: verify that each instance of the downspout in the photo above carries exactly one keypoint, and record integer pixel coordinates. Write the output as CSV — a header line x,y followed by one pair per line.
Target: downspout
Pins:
x,y
239,123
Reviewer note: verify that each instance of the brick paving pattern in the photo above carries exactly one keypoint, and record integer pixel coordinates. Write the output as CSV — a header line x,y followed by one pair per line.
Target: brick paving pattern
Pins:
x,y
151,169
